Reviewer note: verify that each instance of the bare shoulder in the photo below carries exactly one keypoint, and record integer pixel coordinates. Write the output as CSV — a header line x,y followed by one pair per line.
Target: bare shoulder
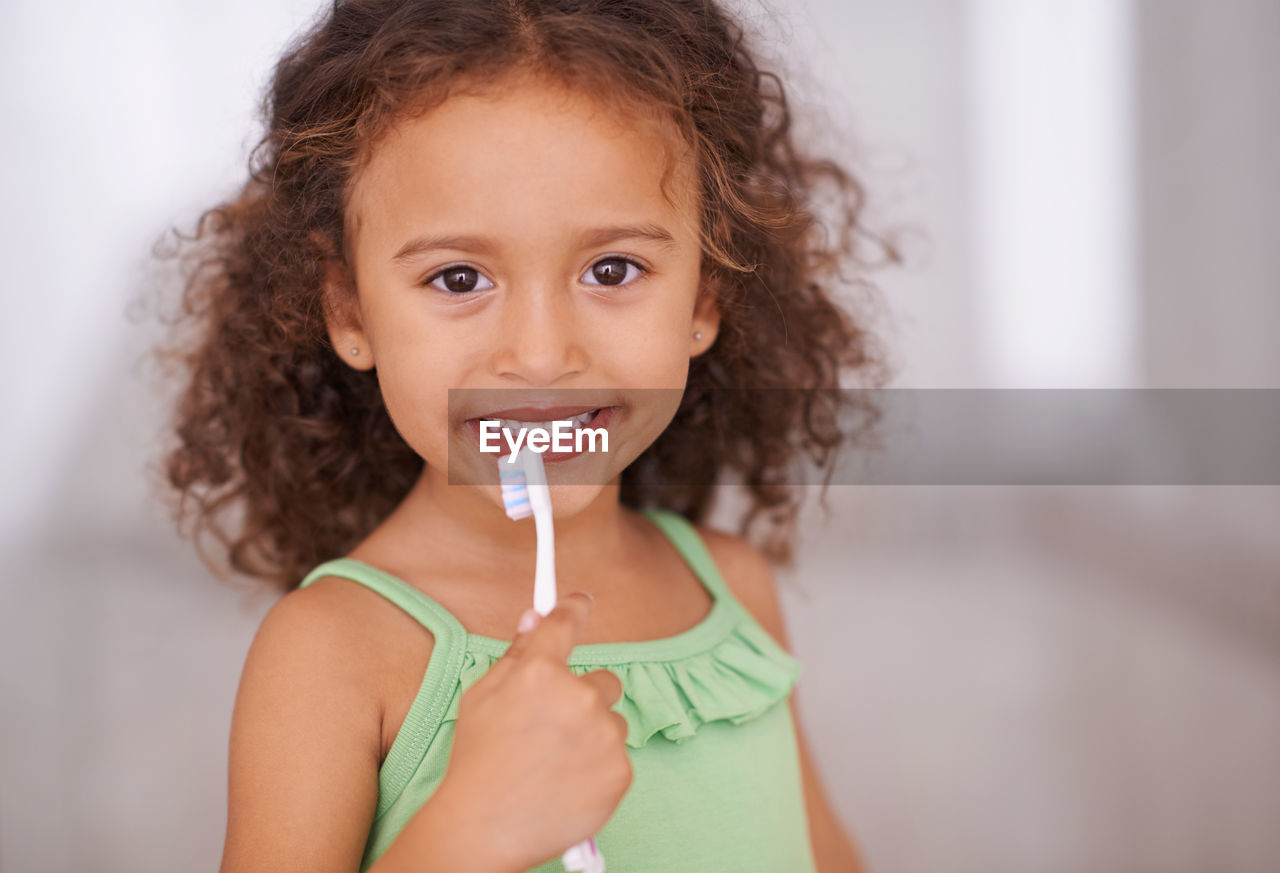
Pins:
x,y
749,576
317,612
328,631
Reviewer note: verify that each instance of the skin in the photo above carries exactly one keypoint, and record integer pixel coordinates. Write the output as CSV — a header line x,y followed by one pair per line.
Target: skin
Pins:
x,y
531,168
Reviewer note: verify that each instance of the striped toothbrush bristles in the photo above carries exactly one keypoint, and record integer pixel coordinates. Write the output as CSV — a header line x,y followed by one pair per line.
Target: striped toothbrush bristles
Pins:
x,y
515,491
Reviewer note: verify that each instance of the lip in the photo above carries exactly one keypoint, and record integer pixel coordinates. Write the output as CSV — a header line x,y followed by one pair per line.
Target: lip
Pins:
x,y
538,413
602,419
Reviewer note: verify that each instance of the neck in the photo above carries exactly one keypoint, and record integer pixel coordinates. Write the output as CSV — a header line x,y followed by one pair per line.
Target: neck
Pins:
x,y
442,526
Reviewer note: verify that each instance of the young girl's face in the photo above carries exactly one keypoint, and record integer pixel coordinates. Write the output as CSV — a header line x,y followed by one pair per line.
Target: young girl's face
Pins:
x,y
516,243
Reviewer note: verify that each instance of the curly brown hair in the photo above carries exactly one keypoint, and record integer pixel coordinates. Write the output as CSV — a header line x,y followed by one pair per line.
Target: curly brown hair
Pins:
x,y
297,447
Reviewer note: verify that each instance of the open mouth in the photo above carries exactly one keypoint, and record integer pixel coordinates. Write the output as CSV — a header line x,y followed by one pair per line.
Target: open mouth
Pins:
x,y
574,425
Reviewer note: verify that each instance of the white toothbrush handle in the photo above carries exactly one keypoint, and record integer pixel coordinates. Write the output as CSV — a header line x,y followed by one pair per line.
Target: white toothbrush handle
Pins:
x,y
584,857
544,577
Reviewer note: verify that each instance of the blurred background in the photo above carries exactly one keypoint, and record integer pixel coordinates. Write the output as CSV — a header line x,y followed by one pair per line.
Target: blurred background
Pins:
x,y
995,678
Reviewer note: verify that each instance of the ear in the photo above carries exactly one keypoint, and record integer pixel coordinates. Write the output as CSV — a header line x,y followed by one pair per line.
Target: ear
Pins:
x,y
706,316
342,308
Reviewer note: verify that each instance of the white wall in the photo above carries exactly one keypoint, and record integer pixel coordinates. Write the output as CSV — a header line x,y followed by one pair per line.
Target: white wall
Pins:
x,y
1209,185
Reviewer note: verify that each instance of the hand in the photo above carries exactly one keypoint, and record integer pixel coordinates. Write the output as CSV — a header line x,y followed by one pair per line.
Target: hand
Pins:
x,y
539,760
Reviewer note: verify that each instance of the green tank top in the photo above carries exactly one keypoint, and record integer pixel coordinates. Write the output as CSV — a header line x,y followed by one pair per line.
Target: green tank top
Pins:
x,y
716,782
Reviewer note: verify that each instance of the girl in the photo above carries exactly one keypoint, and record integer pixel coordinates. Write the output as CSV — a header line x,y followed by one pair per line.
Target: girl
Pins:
x,y
576,202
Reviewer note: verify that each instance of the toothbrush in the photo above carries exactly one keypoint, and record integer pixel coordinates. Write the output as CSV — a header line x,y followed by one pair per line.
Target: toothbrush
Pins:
x,y
524,493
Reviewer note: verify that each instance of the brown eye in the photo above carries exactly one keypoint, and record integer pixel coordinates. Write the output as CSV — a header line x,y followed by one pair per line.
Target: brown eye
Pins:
x,y
458,279
613,271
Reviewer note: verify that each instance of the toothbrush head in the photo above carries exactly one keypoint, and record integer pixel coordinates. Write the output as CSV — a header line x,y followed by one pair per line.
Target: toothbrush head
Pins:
x,y
515,490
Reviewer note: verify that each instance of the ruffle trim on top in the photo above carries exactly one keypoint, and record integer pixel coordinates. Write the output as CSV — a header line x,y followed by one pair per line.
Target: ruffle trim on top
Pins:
x,y
738,678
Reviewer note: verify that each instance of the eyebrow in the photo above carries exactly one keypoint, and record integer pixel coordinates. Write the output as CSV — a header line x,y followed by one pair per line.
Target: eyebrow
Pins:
x,y
595,237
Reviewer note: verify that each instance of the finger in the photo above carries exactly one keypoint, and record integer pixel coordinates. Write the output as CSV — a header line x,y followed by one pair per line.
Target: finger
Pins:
x,y
624,727
521,639
558,632
606,683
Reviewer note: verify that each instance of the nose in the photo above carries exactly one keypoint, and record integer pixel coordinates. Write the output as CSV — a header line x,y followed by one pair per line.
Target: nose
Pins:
x,y
539,342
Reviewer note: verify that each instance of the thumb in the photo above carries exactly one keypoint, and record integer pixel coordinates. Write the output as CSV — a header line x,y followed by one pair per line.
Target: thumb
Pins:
x,y
529,619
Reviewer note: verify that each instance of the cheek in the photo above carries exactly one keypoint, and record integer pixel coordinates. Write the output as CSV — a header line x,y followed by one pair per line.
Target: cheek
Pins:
x,y
416,403
649,350
415,369
657,364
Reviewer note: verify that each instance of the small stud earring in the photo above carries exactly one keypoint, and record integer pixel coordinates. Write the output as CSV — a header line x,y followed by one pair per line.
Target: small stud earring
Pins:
x,y
697,334
355,351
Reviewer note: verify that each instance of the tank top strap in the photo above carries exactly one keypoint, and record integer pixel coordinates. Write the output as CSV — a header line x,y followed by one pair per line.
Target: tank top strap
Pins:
x,y
689,544
444,626
439,682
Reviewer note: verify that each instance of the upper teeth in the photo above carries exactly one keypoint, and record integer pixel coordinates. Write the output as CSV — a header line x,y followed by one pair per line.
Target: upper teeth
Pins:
x,y
576,422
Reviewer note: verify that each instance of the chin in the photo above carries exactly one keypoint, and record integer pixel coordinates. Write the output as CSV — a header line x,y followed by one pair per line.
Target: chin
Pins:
x,y
569,500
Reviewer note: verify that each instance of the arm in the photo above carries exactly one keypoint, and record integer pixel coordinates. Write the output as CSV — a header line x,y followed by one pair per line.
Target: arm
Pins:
x,y
750,578
306,747
304,744
832,848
